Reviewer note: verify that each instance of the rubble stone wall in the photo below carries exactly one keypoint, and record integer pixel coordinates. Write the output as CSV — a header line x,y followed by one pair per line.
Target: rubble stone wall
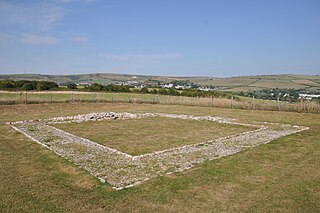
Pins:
x,y
122,170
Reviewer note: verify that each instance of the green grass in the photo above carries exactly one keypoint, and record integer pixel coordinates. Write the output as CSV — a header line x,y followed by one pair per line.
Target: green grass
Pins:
x,y
141,136
282,176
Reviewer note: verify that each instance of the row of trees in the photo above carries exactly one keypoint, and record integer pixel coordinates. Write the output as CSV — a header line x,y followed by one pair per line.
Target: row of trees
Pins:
x,y
27,85
109,88
273,94
160,91
184,83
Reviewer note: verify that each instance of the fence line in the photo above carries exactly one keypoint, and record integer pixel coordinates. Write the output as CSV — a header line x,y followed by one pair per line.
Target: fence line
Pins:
x,y
232,103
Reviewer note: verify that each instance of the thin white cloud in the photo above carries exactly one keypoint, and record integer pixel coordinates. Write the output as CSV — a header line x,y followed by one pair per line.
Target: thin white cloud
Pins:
x,y
43,15
80,39
151,58
37,39
36,18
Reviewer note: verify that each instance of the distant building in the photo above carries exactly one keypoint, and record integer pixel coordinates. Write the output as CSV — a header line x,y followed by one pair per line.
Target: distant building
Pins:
x,y
84,84
127,83
205,88
308,96
182,87
167,86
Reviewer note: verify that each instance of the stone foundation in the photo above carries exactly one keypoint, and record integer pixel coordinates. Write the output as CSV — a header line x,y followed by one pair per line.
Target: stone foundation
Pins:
x,y
122,170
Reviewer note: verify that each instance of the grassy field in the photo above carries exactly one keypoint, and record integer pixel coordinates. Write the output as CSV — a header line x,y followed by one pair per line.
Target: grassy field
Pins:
x,y
141,136
277,83
282,176
247,83
223,102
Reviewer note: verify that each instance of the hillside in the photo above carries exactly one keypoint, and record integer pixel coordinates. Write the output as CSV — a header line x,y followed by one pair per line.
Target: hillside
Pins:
x,y
240,83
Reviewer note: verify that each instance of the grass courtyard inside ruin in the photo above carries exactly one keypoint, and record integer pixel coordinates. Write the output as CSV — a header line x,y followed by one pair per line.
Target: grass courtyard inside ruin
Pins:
x,y
140,136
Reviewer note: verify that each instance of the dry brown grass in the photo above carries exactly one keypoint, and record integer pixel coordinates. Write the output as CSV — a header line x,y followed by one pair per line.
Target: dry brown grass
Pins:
x,y
221,102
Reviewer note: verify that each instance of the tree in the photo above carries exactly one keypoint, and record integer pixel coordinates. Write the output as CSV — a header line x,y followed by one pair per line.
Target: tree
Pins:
x,y
51,84
154,91
41,86
27,86
162,91
96,87
109,87
6,84
72,86
173,92
20,83
46,85
144,90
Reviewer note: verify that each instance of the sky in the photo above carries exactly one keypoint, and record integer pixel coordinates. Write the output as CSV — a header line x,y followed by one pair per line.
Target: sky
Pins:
x,y
218,38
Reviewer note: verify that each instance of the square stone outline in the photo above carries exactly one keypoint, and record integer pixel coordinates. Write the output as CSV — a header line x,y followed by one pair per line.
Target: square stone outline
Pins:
x,y
127,170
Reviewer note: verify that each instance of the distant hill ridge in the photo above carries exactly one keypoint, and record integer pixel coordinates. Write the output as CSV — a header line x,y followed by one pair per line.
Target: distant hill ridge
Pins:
x,y
239,83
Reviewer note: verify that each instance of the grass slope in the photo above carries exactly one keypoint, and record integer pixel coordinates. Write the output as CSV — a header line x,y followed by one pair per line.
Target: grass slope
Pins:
x,y
282,176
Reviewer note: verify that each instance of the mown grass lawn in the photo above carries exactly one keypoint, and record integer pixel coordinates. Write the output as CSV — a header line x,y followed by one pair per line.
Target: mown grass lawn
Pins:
x,y
282,176
141,136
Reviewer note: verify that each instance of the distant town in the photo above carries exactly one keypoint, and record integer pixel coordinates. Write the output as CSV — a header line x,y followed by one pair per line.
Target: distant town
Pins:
x,y
174,88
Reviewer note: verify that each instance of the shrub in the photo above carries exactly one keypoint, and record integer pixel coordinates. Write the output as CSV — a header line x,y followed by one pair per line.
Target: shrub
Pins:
x,y
72,86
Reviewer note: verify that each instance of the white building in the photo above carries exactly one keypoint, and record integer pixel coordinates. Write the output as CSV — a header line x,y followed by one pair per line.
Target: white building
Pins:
x,y
308,96
167,86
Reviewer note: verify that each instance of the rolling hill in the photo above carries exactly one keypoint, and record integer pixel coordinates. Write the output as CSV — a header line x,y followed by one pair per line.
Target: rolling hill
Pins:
x,y
240,83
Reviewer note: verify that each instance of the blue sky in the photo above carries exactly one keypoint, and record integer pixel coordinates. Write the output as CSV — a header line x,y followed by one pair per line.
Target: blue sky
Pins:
x,y
160,37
